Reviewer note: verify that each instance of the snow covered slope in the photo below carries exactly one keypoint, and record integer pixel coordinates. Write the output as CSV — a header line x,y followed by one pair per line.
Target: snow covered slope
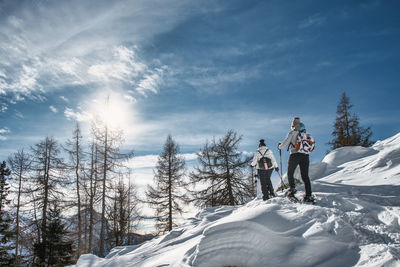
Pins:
x,y
355,223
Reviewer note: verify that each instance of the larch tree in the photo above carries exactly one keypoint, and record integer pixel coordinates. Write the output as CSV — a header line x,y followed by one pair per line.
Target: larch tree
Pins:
x,y
20,164
122,209
346,129
166,195
76,157
49,180
110,161
92,181
221,178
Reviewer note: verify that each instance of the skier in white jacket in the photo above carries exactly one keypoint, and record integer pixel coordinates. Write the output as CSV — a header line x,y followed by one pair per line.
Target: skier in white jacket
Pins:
x,y
264,161
297,158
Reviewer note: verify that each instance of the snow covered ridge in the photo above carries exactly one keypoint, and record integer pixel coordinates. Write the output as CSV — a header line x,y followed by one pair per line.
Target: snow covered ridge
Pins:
x,y
355,222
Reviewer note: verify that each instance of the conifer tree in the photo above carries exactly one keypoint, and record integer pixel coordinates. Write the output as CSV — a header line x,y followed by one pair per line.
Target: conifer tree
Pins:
x,y
346,129
222,172
121,211
7,234
20,163
56,250
165,195
49,167
110,159
74,149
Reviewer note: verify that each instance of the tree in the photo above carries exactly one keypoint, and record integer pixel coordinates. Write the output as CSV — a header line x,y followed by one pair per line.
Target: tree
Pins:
x,y
346,129
55,250
74,149
92,181
165,195
110,159
221,173
121,211
49,167
7,235
20,163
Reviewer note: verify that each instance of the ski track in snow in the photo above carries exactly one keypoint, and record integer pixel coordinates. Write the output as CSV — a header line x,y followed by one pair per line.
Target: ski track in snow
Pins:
x,y
354,223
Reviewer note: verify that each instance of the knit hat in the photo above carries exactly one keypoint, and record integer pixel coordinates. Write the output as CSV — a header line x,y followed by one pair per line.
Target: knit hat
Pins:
x,y
302,127
261,143
296,121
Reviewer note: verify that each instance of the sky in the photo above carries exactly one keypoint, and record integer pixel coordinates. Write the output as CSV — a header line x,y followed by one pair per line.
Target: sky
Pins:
x,y
195,69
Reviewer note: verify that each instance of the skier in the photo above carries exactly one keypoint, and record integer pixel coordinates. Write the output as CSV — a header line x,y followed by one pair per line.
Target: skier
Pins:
x,y
264,161
297,158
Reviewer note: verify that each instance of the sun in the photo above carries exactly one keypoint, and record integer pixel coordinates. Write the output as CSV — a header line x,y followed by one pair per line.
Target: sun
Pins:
x,y
111,108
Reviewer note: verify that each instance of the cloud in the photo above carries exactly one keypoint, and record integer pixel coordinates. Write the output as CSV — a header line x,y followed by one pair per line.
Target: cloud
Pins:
x,y
215,80
53,109
19,115
150,161
314,20
70,114
47,47
151,81
130,98
63,98
4,131
3,107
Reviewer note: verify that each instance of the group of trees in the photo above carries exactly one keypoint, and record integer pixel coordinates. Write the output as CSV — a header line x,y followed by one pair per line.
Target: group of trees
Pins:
x,y
103,209
88,185
221,178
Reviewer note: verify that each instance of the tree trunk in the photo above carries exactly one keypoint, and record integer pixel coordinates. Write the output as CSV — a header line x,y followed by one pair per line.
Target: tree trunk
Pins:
x,y
78,195
18,206
103,200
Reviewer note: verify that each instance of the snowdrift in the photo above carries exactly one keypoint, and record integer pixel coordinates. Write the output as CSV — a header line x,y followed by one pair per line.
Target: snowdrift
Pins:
x,y
355,222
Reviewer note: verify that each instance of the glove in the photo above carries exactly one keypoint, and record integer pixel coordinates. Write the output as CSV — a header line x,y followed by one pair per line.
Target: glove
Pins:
x,y
277,169
279,143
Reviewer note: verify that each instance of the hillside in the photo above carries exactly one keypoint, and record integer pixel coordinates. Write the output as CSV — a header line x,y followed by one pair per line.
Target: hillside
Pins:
x,y
354,223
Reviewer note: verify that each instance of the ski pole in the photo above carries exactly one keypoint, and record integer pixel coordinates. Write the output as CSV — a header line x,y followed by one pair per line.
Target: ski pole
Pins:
x,y
280,162
252,174
282,183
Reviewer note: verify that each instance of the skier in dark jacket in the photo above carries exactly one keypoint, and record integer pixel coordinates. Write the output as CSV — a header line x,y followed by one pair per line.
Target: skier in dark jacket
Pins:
x,y
297,158
264,172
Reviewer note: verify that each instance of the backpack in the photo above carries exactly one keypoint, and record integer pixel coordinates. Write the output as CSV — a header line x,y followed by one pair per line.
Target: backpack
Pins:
x,y
305,143
264,163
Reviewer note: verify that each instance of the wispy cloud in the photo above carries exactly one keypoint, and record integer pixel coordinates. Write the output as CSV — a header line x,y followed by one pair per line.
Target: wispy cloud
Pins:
x,y
314,20
81,47
53,109
63,98
3,132
3,107
78,115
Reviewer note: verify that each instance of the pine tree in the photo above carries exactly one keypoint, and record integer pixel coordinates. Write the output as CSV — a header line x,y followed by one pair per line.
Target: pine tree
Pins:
x,y
7,235
167,193
56,250
346,129
222,168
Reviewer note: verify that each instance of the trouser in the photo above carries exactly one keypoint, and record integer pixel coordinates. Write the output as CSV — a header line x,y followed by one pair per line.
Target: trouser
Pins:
x,y
303,160
266,185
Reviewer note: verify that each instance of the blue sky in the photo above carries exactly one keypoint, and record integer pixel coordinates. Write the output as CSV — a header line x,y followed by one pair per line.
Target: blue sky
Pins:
x,y
196,69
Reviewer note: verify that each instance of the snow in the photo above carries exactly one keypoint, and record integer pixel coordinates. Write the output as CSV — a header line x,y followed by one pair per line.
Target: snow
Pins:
x,y
354,223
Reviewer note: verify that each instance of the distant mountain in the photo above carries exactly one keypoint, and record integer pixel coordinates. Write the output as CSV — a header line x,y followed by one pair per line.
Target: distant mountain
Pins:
x,y
354,223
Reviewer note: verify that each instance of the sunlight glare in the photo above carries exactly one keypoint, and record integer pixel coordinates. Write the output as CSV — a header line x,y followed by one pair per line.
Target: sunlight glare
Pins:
x,y
112,109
